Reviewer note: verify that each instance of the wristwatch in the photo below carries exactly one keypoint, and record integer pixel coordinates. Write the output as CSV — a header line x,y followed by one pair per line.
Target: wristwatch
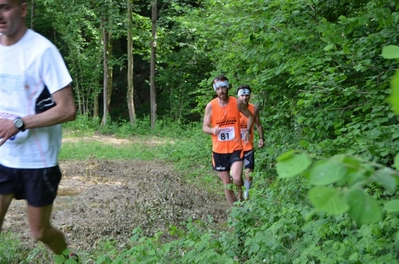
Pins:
x,y
19,124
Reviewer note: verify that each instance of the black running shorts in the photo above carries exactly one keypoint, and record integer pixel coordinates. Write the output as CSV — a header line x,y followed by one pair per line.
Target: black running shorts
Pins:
x,y
37,186
223,162
249,159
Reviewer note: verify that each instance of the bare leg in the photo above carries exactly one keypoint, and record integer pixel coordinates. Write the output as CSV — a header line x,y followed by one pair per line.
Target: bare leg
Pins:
x,y
236,171
5,201
228,192
42,230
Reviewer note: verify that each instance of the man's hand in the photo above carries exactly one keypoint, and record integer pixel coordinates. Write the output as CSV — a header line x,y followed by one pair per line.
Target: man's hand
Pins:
x,y
216,130
261,143
7,130
247,136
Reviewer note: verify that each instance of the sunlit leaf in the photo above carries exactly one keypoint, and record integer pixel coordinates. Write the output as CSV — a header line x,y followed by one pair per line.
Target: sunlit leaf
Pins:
x,y
390,52
286,155
327,172
396,162
329,47
328,200
393,99
392,206
293,165
303,143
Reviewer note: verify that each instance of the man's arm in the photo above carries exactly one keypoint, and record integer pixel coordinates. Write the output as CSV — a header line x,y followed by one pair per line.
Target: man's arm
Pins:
x,y
207,120
259,128
250,118
65,110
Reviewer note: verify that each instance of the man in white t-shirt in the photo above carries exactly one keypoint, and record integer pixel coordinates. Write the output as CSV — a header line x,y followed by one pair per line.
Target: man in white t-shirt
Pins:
x,y
35,98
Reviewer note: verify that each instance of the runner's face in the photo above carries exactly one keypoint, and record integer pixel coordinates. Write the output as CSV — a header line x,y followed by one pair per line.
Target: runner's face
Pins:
x,y
222,92
244,98
12,15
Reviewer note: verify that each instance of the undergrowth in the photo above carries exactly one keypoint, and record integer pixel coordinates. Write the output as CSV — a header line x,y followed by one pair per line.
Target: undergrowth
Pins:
x,y
273,226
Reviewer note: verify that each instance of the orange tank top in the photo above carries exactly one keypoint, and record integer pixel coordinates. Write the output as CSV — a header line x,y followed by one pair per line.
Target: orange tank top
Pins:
x,y
228,119
243,125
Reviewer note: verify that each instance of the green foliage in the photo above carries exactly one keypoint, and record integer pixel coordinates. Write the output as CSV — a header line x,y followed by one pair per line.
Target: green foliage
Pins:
x,y
10,248
321,83
392,52
83,123
350,174
64,258
351,178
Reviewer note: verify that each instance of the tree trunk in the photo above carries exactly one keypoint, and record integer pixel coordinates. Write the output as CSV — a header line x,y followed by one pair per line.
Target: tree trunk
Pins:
x,y
130,86
110,71
105,73
76,89
95,106
153,64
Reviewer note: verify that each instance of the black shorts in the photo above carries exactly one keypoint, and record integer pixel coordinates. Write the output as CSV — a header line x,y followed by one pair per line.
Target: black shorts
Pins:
x,y
249,159
37,186
223,162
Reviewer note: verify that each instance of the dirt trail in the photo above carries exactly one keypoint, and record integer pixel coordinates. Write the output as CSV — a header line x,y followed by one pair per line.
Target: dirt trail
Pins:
x,y
100,199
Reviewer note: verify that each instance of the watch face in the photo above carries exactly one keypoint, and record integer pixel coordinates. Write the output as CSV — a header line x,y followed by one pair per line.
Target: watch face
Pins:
x,y
18,123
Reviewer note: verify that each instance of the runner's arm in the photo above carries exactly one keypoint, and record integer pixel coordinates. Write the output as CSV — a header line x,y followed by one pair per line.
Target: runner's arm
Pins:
x,y
250,118
259,128
206,128
63,111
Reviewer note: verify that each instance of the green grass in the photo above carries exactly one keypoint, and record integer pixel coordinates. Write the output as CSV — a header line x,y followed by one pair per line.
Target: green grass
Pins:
x,y
137,148
186,147
10,248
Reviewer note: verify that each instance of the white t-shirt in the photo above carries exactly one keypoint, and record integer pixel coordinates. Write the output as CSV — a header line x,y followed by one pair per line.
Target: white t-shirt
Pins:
x,y
30,71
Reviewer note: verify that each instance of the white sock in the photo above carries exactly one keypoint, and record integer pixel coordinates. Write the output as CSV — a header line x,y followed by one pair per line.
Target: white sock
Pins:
x,y
247,184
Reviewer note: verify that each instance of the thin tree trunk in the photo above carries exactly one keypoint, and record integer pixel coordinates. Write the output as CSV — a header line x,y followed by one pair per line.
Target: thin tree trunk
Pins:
x,y
96,107
109,86
105,73
76,88
130,65
110,71
153,64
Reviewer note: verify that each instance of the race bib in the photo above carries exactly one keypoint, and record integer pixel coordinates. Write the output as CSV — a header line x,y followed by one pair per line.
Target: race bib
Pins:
x,y
227,134
242,133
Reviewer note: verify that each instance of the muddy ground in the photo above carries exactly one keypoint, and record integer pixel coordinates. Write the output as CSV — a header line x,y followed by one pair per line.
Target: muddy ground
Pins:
x,y
100,199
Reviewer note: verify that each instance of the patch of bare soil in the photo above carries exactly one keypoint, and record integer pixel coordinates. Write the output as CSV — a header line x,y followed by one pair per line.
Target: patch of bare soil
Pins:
x,y
100,199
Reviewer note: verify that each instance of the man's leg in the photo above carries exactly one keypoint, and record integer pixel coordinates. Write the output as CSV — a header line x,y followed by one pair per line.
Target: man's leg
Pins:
x,y
228,192
5,201
42,230
236,170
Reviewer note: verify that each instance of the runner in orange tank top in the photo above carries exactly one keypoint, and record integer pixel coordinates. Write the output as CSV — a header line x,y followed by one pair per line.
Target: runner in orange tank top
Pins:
x,y
244,94
222,121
